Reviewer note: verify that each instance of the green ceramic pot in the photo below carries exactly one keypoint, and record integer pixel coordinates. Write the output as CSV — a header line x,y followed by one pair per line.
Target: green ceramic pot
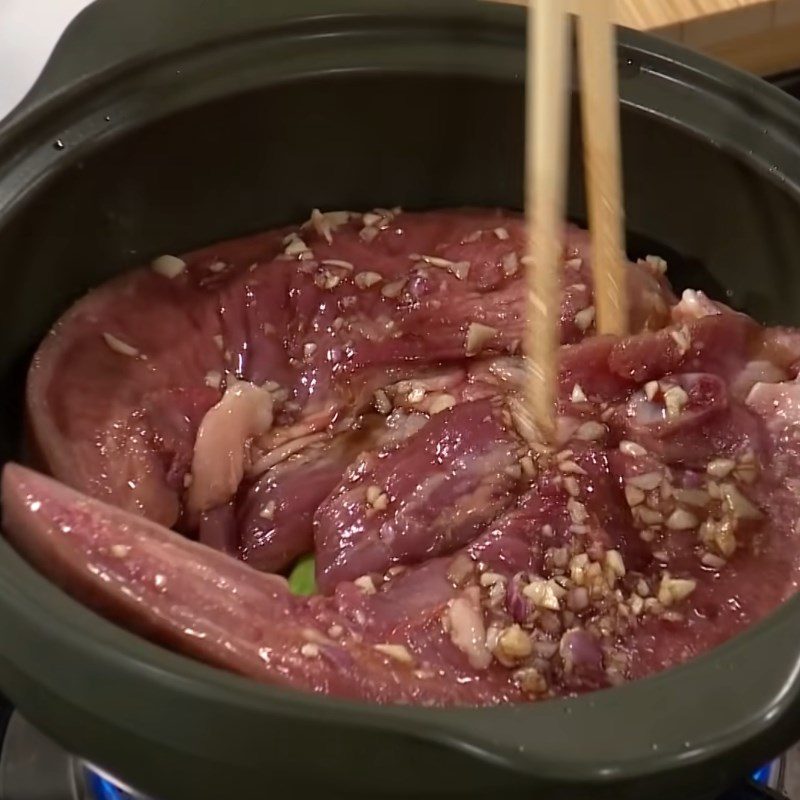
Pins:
x,y
159,126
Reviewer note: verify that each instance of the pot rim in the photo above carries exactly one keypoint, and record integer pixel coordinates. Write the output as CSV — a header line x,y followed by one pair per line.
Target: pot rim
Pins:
x,y
709,100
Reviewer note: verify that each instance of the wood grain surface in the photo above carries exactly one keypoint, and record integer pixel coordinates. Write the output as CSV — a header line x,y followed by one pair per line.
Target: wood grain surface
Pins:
x,y
762,36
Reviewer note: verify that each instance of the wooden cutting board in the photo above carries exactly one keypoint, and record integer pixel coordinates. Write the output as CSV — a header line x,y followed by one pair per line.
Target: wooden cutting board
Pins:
x,y
759,35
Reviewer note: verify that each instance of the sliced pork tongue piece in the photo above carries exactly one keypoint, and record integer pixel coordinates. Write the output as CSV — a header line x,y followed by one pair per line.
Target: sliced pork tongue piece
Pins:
x,y
289,308
443,640
178,593
469,317
276,511
683,415
428,497
99,381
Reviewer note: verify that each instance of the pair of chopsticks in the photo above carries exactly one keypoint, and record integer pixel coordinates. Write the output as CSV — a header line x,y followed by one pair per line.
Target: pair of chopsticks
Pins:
x,y
547,114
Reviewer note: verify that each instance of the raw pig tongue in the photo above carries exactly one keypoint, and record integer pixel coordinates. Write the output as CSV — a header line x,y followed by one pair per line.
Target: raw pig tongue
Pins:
x,y
316,314
428,497
180,593
463,562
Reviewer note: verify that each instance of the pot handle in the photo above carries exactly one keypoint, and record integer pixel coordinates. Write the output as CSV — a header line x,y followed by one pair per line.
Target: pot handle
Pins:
x,y
26,43
112,34
108,34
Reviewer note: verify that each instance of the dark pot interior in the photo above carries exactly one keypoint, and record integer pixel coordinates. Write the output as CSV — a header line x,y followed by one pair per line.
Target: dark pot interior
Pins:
x,y
178,129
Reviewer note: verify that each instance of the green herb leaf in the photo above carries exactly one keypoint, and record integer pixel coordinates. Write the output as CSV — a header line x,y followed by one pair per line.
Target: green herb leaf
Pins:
x,y
301,578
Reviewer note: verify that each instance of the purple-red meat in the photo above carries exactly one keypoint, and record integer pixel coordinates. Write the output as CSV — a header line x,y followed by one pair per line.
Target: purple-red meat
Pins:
x,y
353,387
179,593
425,497
322,324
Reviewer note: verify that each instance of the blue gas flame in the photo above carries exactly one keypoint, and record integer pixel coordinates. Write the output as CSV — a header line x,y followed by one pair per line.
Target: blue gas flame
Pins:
x,y
761,776
103,789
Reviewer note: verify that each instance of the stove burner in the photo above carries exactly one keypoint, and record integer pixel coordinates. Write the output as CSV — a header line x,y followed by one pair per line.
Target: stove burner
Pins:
x,y
33,767
101,787
771,775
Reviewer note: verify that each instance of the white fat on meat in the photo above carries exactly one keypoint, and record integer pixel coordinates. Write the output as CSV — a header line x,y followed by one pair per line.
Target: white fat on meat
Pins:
x,y
221,447
468,631
693,305
275,456
508,370
314,419
401,426
754,373
777,403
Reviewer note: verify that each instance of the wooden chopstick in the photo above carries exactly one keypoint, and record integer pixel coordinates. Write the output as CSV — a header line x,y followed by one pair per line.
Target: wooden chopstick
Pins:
x,y
547,83
597,53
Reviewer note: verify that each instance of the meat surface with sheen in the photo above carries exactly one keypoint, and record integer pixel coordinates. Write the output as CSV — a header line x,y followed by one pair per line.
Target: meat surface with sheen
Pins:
x,y
352,388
